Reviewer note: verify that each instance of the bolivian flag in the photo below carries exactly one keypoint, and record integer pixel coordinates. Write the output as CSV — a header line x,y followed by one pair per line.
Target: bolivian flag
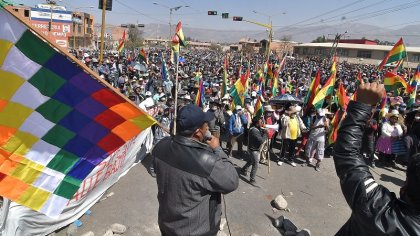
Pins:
x,y
313,90
258,109
327,89
343,100
393,81
396,54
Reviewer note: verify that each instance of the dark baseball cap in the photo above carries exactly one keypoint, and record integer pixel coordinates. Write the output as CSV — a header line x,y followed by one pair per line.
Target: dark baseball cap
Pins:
x,y
192,117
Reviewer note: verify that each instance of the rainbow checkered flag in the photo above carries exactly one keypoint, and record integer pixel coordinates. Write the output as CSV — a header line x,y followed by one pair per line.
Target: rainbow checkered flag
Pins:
x,y
57,122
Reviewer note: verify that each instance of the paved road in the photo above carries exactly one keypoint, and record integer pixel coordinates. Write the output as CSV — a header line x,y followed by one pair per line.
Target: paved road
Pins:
x,y
314,199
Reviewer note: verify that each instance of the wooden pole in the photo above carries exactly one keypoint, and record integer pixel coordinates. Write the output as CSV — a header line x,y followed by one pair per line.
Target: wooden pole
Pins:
x,y
176,90
101,53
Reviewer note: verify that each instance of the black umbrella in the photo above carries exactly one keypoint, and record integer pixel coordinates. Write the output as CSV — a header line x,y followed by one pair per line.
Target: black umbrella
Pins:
x,y
286,98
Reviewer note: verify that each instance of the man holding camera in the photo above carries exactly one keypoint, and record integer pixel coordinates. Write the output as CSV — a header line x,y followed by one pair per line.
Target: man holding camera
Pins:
x,y
192,172
257,136
375,210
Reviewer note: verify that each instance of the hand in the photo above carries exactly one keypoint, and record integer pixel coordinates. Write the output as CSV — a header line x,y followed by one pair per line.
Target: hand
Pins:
x,y
213,142
370,93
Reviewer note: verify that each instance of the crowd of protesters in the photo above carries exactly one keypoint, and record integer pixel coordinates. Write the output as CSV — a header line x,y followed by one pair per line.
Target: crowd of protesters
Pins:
x,y
391,134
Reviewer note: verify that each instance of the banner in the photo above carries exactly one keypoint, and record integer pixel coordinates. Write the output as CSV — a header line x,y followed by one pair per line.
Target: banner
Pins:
x,y
60,32
20,220
45,15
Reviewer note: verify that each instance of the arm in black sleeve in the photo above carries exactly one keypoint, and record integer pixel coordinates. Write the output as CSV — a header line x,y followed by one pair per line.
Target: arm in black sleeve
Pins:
x,y
349,140
368,200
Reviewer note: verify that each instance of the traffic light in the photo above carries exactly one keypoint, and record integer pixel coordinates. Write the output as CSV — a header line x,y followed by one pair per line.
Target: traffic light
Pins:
x,y
237,18
108,5
225,15
212,13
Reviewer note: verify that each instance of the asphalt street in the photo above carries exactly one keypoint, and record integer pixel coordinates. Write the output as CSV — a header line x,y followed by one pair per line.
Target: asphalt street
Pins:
x,y
314,199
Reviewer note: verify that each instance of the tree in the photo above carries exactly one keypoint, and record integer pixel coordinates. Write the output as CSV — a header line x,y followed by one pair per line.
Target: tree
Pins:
x,y
216,47
135,37
286,38
320,39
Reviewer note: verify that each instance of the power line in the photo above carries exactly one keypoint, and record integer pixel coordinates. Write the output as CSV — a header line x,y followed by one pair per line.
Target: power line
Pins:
x,y
386,11
141,13
370,15
390,26
336,16
325,13
380,12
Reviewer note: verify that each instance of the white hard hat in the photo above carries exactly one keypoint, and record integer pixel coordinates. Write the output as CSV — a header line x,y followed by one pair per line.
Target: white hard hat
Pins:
x,y
238,107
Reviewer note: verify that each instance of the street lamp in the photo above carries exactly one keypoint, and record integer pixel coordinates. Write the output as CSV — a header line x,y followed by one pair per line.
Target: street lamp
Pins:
x,y
170,15
270,31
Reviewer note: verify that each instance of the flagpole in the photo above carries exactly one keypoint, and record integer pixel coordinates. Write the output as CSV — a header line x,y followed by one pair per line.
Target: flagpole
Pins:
x,y
176,90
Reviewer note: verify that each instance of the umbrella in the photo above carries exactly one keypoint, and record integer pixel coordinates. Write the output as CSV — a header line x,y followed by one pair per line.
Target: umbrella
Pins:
x,y
285,98
139,67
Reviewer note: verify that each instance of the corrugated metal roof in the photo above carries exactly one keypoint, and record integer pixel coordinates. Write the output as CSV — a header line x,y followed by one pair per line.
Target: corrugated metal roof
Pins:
x,y
356,46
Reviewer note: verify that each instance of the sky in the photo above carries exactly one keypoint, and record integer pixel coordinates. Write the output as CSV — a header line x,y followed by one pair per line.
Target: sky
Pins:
x,y
386,13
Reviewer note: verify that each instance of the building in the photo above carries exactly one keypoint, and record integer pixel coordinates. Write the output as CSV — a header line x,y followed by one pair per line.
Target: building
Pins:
x,y
248,45
278,46
358,41
83,36
355,53
58,24
112,36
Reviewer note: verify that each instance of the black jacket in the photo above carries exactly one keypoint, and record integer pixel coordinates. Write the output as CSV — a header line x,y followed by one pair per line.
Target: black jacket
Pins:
x,y
256,138
375,210
190,178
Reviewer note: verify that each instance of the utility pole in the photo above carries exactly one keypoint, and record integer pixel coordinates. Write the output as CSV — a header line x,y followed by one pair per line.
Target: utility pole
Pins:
x,y
170,16
335,44
101,53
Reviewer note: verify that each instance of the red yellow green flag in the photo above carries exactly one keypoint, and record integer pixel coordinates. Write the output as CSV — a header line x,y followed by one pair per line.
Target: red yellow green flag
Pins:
x,y
393,81
327,89
180,34
412,89
396,54
343,100
415,80
199,99
238,90
313,90
275,88
335,125
143,56
258,109
121,44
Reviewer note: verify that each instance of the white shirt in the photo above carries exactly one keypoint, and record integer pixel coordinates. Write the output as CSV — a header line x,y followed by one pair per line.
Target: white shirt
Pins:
x,y
389,130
